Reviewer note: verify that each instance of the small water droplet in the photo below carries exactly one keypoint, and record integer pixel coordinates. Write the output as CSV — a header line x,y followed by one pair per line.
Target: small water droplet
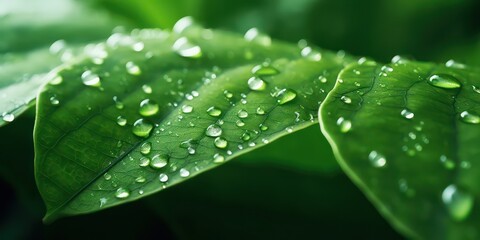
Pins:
x,y
54,101
447,163
133,69
163,177
469,117
454,64
183,24
186,49
187,109
263,127
140,179
145,148
228,94
148,108
8,117
260,111
144,161
147,89
121,121
184,172
407,114
444,81
311,54
346,99
213,130
459,203
107,176
218,158
264,70
118,104
90,79
256,84
56,80
377,160
142,128
242,113
285,95
159,161
246,136
253,35
214,112
122,193
344,124
240,123
220,142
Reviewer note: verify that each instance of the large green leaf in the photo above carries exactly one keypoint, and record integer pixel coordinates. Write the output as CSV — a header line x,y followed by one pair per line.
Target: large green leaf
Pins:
x,y
407,133
25,58
163,107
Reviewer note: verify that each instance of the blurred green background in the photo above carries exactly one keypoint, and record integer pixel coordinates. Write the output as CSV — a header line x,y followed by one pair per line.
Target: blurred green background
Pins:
x,y
291,189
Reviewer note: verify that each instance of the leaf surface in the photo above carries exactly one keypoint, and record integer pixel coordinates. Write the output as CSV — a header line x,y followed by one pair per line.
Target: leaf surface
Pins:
x,y
163,107
407,134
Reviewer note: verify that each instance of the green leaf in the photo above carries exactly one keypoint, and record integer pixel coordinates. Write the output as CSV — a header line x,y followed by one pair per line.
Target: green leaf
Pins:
x,y
154,116
25,58
407,134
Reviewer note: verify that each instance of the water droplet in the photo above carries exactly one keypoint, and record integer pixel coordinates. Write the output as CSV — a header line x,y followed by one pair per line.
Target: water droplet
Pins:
x,y
311,54
468,117
118,104
142,128
345,125
103,201
122,193
8,117
242,114
447,163
246,136
54,101
444,81
240,123
144,161
346,99
148,108
253,35
214,112
56,80
121,121
459,203
228,94
133,69
145,148
264,70
186,49
140,179
376,159
187,109
147,89
285,95
454,64
263,127
407,114
220,142
107,176
163,177
90,79
260,111
183,24
218,158
256,84
184,172
159,161
213,131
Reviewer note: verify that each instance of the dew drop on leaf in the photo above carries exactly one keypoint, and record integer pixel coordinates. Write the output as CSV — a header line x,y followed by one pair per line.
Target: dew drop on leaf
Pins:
x,y
376,159
159,161
118,104
184,172
148,108
140,179
458,202
444,81
8,117
311,54
260,111
253,35
346,99
107,176
186,49
220,142
242,113
344,124
122,193
213,131
264,70
54,101
469,117
407,114
121,121
133,69
256,84
145,148
285,95
218,158
447,162
187,109
214,112
163,177
90,79
142,128
144,161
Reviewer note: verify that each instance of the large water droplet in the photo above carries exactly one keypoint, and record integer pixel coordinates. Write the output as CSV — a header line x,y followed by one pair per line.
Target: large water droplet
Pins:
x,y
256,84
186,49
159,161
122,193
132,68
214,112
163,177
444,81
220,142
90,79
264,70
213,131
459,203
142,128
376,159
145,148
148,108
285,95
184,172
407,114
469,117
344,124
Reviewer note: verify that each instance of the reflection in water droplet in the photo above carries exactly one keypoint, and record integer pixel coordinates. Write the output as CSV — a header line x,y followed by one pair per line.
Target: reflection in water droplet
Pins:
x,y
213,131
142,128
148,108
376,159
121,121
344,124
256,84
444,81
214,112
186,49
459,203
469,117
159,161
122,193
407,114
